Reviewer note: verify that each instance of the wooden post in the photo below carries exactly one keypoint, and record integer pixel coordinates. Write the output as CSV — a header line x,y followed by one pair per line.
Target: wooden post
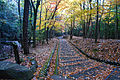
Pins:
x,y
15,47
16,53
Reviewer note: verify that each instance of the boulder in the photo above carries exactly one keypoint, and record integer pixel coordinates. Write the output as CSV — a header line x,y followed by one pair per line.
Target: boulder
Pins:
x,y
34,66
9,70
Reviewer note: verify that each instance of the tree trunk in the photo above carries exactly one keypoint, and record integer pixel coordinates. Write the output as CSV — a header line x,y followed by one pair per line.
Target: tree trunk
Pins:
x,y
19,15
20,22
55,9
34,29
25,26
90,19
116,30
40,16
96,27
109,36
88,22
71,30
84,22
34,24
47,35
40,22
99,33
16,53
31,25
45,27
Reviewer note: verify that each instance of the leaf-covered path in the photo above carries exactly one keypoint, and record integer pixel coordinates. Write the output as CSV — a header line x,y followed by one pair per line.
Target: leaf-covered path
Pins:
x,y
74,65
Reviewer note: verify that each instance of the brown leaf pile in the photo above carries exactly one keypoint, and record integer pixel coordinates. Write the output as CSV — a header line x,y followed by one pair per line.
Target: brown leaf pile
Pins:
x,y
108,49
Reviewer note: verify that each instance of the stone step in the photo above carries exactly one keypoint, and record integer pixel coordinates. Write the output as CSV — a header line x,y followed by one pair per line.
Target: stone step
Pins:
x,y
72,68
74,61
92,72
58,77
114,75
68,58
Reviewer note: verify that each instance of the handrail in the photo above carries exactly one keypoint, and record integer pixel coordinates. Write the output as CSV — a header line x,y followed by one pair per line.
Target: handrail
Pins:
x,y
17,58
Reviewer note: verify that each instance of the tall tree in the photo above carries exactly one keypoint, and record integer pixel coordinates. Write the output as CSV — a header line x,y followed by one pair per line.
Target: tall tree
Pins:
x,y
100,20
35,9
71,29
116,30
25,27
96,27
20,20
84,35
90,20
19,13
108,32
40,15
31,23
73,25
46,31
51,17
56,7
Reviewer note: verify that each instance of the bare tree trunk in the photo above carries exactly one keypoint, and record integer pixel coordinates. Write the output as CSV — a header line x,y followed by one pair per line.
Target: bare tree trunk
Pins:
x,y
25,26
116,30
71,30
40,21
73,24
34,29
100,22
17,58
72,27
19,15
46,31
20,22
55,8
90,19
47,35
108,36
34,24
96,27
40,16
57,3
31,25
84,22
88,22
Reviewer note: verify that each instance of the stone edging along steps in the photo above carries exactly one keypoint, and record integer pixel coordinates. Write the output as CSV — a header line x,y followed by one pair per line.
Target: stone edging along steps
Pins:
x,y
45,69
99,60
57,60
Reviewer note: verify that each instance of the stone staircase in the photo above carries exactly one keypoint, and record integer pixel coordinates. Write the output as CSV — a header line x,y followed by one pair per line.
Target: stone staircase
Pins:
x,y
74,65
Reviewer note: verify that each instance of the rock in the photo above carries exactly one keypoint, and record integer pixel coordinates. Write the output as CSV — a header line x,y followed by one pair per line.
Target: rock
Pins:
x,y
34,66
5,51
17,43
9,70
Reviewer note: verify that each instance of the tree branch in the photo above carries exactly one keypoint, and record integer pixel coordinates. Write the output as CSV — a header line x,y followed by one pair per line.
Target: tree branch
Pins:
x,y
32,4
